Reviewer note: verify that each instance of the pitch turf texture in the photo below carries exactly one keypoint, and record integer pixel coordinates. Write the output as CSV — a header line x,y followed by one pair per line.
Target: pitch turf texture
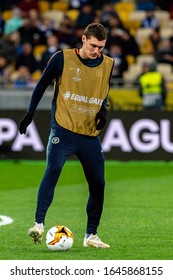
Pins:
x,y
136,222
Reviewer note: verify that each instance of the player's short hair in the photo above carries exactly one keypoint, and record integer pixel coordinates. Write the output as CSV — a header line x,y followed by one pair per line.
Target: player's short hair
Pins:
x,y
96,30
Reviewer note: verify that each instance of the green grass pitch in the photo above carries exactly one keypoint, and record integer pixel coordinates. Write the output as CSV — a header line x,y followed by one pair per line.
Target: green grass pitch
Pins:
x,y
136,222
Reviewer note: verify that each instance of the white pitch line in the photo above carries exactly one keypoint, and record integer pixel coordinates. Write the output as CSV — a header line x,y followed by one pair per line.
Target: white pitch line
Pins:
x,y
4,220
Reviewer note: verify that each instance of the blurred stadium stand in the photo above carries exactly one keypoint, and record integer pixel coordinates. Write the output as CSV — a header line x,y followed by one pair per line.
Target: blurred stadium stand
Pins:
x,y
131,14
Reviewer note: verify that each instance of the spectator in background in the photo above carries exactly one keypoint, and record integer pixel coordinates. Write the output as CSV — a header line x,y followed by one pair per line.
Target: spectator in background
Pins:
x,y
107,12
27,5
76,4
30,33
35,23
145,68
119,34
152,88
165,51
15,40
86,15
34,17
22,78
47,26
97,18
7,48
150,21
26,58
5,70
77,43
14,23
1,26
66,32
120,63
98,4
52,47
8,4
155,39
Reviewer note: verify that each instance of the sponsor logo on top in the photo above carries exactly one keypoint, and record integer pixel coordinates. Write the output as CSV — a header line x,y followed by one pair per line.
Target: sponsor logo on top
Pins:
x,y
82,98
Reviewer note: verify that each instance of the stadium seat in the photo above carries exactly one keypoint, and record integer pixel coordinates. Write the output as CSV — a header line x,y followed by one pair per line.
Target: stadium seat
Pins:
x,y
165,69
145,58
6,15
124,9
72,14
60,6
134,21
168,23
169,84
137,16
167,72
130,59
132,26
38,51
132,73
146,47
142,34
166,32
124,16
36,75
162,16
124,6
44,6
56,16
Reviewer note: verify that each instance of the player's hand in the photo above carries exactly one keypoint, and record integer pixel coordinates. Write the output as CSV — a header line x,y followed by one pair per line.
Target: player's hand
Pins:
x,y
23,124
101,118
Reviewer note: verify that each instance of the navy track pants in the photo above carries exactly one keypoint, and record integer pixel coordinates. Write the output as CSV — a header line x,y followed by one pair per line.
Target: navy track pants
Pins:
x,y
62,144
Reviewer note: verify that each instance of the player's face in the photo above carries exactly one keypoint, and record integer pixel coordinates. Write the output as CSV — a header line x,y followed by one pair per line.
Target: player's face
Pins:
x,y
92,47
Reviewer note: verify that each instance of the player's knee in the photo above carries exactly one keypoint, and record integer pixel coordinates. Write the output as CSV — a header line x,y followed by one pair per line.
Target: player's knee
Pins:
x,y
54,169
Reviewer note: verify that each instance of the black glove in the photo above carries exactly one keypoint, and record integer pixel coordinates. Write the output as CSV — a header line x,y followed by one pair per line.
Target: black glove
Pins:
x,y
23,124
101,118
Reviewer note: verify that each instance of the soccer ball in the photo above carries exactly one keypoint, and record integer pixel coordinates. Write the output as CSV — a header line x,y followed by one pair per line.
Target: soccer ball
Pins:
x,y
59,238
